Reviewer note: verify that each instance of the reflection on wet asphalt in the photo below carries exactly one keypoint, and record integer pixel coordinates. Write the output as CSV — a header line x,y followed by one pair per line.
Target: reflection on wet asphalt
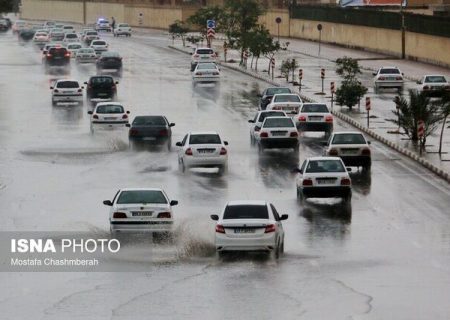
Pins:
x,y
385,257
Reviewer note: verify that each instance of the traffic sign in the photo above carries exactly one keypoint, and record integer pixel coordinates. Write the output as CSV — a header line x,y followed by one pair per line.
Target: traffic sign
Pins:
x,y
300,74
322,73
420,128
245,54
272,63
333,90
367,103
210,24
211,33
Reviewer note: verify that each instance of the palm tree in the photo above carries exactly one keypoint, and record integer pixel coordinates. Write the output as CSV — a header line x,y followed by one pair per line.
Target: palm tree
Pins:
x,y
409,113
444,105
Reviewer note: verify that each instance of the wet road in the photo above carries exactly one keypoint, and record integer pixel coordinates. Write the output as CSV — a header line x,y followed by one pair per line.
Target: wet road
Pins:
x,y
390,260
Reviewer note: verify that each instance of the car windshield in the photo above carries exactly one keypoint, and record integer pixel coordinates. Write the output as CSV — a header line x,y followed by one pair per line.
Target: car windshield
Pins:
x,y
98,43
205,66
101,80
272,91
315,108
67,84
149,121
348,138
390,71
91,33
315,166
435,79
264,115
110,108
204,139
246,212
57,30
287,98
204,51
284,122
142,196
74,46
71,35
57,51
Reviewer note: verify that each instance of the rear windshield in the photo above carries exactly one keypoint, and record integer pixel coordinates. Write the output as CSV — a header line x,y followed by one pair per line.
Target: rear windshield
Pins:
x,y
348,138
91,33
246,212
86,51
68,27
272,91
101,80
204,139
110,108
390,71
74,46
57,51
264,115
204,51
99,43
314,108
205,66
149,121
315,166
110,54
287,98
435,79
141,196
67,84
57,30
71,35
278,123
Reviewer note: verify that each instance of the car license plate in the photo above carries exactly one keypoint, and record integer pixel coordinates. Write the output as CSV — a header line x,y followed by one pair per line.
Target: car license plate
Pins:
x,y
102,94
205,150
204,58
325,180
390,78
349,151
110,118
142,213
244,230
278,133
315,118
149,138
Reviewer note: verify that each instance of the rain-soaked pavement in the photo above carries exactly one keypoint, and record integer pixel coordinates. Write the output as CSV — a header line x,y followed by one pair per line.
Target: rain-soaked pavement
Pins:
x,y
388,259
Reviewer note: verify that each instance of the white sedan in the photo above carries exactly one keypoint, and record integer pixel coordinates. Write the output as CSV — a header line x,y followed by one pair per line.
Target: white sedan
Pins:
x,y
432,84
259,119
277,132
108,115
73,48
67,91
206,72
324,177
287,102
203,150
122,29
388,77
141,209
250,226
351,147
99,46
315,117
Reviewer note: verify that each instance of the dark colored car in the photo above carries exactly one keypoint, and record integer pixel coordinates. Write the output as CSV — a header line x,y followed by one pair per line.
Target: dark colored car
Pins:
x,y
57,57
109,61
3,25
153,130
26,34
101,87
268,94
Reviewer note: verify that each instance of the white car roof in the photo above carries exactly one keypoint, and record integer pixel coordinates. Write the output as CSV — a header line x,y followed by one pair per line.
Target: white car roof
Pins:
x,y
108,104
435,75
314,103
389,67
203,132
141,189
204,48
64,80
286,94
247,202
346,132
323,158
267,111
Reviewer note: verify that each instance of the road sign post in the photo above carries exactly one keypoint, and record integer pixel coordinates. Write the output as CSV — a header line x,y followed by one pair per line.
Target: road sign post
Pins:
x,y
225,49
322,75
420,134
319,27
300,77
211,32
397,106
368,107
272,65
332,89
278,21
245,58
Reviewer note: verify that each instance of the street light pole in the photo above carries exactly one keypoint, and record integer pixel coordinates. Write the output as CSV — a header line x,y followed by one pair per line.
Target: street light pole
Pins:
x,y
402,15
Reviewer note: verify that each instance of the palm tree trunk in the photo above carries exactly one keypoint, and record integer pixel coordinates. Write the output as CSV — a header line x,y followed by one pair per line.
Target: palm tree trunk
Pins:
x,y
442,135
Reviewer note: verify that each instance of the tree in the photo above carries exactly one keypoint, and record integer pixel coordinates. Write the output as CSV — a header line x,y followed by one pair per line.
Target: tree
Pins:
x,y
409,113
199,19
351,90
260,43
288,67
444,106
179,29
6,6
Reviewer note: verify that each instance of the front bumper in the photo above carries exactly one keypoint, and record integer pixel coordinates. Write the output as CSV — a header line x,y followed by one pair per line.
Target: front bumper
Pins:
x,y
141,226
314,126
326,192
279,142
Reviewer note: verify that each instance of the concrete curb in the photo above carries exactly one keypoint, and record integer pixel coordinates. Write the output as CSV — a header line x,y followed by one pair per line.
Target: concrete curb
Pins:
x,y
425,163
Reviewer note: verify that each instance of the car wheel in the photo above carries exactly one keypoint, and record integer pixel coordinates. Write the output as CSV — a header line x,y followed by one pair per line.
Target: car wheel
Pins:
x,y
367,166
169,145
376,89
300,197
296,148
220,255
54,103
282,247
92,130
260,149
275,253
182,166
222,169
192,67
252,140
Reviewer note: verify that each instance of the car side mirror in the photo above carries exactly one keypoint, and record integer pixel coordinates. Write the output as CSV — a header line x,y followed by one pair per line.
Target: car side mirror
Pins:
x,y
214,217
90,112
173,202
251,121
51,88
128,112
369,142
172,124
419,82
178,144
324,143
374,73
297,170
82,87
85,82
225,143
117,82
259,95
107,203
128,125
349,169
284,217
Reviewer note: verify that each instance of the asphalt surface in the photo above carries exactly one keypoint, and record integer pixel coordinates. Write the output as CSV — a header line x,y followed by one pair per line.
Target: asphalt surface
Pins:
x,y
389,260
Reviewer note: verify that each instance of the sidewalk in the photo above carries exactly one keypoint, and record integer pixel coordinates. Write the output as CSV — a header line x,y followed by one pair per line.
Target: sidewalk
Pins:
x,y
306,53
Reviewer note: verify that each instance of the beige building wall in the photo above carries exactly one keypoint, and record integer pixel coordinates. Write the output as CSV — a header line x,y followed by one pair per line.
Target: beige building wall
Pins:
x,y
152,17
428,48
95,10
70,11
268,19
